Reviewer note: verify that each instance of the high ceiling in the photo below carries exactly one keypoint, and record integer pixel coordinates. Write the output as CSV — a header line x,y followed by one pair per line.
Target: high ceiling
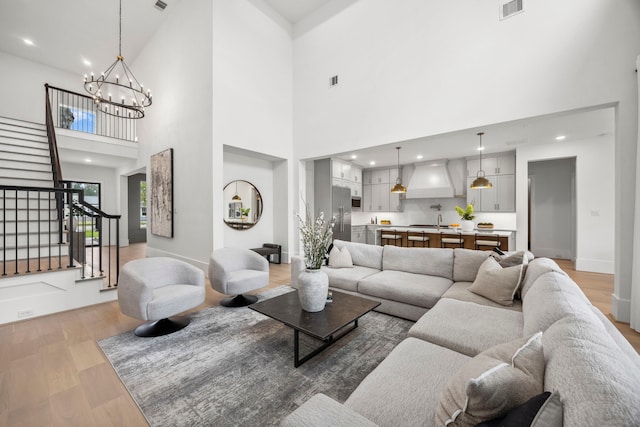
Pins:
x,y
80,36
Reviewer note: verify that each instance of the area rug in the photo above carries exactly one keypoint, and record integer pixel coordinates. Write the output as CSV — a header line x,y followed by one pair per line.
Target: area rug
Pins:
x,y
234,366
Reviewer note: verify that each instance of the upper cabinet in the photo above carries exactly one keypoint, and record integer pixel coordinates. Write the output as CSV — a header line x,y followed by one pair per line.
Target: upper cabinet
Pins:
x,y
377,185
348,175
500,170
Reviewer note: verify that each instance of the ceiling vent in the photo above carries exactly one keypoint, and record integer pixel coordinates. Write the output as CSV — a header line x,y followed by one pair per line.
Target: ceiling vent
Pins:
x,y
160,5
514,7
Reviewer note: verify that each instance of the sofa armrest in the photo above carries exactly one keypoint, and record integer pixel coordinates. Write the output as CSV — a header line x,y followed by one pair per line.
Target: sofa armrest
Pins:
x,y
297,267
322,411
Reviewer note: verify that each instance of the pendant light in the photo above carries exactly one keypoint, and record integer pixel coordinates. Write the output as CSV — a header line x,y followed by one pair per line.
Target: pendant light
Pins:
x,y
399,188
236,196
480,182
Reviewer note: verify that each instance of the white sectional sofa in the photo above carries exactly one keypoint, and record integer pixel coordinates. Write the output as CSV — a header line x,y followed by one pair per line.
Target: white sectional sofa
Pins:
x,y
589,366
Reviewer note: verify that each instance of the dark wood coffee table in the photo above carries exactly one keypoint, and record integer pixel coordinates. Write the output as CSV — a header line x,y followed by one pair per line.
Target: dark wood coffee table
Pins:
x,y
327,325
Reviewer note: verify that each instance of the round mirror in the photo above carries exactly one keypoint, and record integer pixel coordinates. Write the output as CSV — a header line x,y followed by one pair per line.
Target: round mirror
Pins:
x,y
242,205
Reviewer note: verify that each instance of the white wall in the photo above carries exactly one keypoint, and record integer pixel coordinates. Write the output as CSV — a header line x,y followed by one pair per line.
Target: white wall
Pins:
x,y
176,65
252,101
259,173
22,87
552,208
595,184
413,68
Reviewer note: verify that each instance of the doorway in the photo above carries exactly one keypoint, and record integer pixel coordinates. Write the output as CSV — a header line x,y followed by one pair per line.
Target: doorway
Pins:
x,y
552,208
92,194
137,208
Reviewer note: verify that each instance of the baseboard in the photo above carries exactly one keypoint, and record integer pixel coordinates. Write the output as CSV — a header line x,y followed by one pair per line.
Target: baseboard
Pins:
x,y
551,253
154,252
621,309
594,265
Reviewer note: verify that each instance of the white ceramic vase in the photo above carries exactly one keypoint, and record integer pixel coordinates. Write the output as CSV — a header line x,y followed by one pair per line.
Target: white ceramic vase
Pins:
x,y
466,225
312,289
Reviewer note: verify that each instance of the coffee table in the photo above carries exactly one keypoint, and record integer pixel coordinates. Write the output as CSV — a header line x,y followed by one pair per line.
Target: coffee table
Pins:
x,y
327,325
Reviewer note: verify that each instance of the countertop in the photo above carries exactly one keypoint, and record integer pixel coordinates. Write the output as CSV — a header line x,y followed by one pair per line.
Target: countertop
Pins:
x,y
498,231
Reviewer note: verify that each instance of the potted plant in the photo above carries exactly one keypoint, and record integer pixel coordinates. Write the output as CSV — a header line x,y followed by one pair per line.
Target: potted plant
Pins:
x,y
316,235
466,217
244,213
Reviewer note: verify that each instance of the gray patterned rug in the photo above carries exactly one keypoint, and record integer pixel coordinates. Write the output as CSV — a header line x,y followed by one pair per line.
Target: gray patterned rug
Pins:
x,y
234,366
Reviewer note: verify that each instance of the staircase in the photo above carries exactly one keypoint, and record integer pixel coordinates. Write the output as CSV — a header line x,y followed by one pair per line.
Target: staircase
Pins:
x,y
32,238
31,229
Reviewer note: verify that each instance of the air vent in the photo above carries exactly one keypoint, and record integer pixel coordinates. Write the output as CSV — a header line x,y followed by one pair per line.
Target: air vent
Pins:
x,y
333,81
160,5
514,7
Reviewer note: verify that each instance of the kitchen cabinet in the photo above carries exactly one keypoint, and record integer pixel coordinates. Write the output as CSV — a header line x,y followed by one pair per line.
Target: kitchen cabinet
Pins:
x,y
346,175
341,169
376,190
356,174
494,164
500,198
359,233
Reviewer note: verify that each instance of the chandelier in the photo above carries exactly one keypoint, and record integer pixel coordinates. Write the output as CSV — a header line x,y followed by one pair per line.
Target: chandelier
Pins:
x,y
480,182
117,92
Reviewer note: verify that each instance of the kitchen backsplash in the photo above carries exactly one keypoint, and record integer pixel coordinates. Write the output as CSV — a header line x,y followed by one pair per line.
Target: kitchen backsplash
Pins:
x,y
419,211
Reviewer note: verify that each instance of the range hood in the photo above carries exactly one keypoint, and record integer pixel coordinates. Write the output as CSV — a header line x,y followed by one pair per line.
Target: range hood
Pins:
x,y
429,180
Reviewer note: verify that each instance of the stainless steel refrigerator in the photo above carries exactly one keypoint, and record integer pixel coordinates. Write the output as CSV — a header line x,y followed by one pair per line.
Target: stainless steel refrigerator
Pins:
x,y
341,210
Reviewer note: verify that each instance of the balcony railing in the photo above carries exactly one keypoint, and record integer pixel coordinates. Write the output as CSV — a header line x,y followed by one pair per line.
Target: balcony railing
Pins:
x,y
78,112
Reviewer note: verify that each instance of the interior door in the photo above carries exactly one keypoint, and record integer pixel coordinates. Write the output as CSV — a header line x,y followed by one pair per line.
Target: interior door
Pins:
x,y
137,208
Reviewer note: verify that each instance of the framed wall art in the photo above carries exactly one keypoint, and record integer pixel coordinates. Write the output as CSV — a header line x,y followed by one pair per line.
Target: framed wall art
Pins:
x,y
162,193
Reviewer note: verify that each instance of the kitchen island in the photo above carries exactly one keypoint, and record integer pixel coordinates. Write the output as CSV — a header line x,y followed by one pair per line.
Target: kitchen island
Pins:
x,y
506,237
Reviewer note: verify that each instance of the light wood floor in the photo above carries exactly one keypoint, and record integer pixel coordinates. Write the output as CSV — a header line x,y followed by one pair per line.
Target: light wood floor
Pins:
x,y
52,372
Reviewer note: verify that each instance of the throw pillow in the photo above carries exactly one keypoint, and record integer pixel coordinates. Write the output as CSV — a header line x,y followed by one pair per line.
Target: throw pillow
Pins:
x,y
543,410
496,283
340,258
492,383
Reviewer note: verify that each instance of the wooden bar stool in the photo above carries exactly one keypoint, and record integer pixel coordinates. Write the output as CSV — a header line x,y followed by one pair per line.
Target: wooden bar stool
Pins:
x,y
487,241
418,239
454,240
391,237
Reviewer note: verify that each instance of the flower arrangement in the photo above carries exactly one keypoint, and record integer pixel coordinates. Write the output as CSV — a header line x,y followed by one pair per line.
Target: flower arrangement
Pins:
x,y
316,237
466,214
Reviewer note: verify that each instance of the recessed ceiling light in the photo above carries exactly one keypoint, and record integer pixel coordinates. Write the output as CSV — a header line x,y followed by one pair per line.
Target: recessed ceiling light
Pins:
x,y
86,62
560,137
87,160
353,156
480,148
419,156
372,163
28,42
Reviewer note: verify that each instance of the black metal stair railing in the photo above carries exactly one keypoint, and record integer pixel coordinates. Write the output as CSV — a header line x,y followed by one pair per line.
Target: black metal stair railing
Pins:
x,y
79,112
37,235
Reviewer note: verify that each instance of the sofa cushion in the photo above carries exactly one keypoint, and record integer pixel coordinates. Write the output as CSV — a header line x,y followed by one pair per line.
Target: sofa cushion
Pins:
x,y
461,292
347,278
466,263
535,269
466,327
497,283
543,410
493,382
598,385
618,338
409,288
323,411
429,261
340,258
404,388
552,297
362,254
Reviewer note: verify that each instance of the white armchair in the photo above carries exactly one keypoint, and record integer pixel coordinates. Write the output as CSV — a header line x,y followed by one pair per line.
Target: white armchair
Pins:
x,y
234,271
155,289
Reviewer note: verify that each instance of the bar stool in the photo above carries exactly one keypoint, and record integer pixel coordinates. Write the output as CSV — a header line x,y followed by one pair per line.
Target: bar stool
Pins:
x,y
451,242
488,241
418,239
391,237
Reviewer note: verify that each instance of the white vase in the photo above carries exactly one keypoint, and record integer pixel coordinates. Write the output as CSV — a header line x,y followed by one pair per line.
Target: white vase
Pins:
x,y
467,225
312,289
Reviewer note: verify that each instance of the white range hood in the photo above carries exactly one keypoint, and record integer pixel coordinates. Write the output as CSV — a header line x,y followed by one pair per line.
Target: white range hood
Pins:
x,y
429,180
